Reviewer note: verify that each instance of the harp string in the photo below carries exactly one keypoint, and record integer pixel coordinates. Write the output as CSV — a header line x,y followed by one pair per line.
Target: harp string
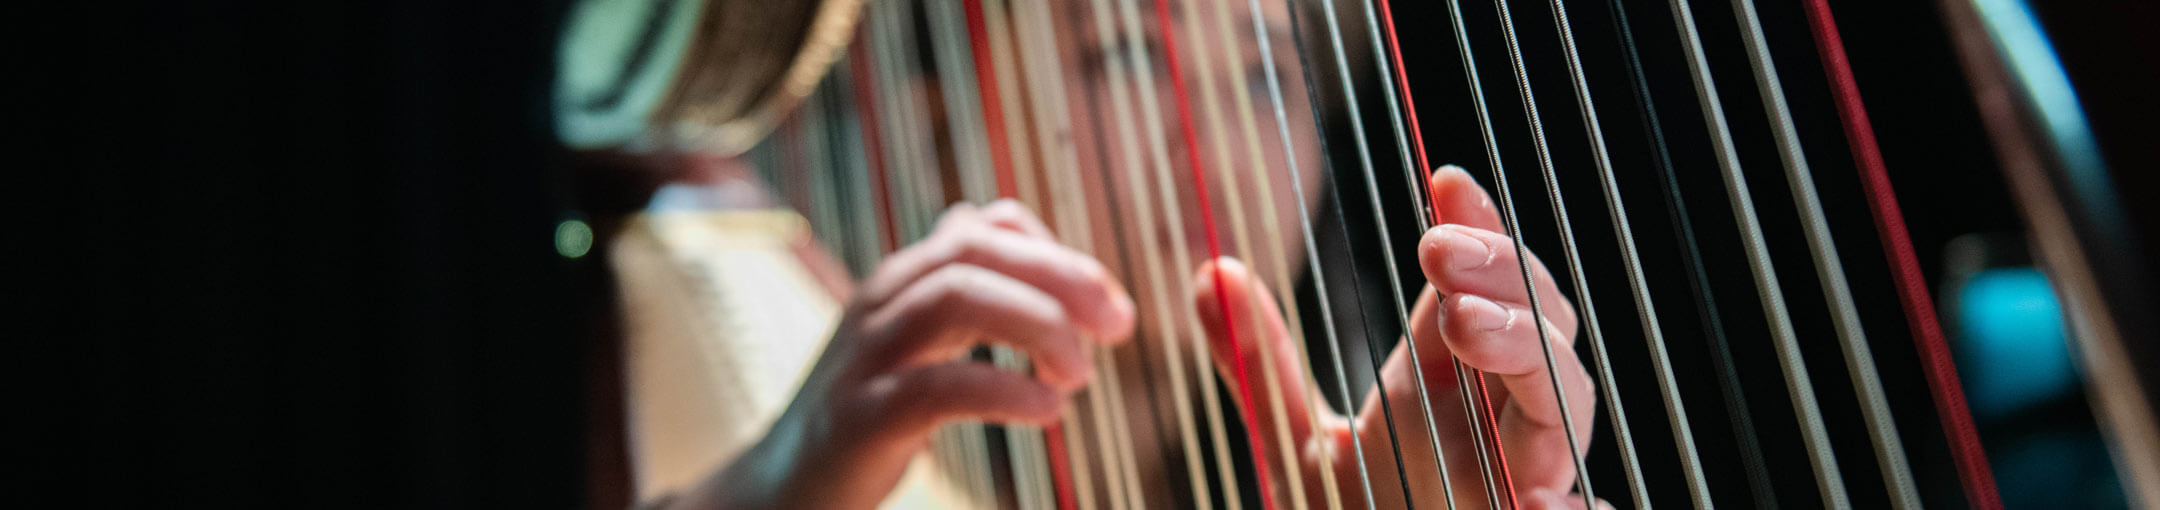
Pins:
x,y
1971,459
1376,347
991,29
1829,271
1372,194
1141,67
1285,289
864,85
1197,169
924,170
1102,399
1211,107
1390,78
1510,218
1743,427
1053,123
1077,22
1820,458
1117,67
972,144
1022,107
1278,265
1646,309
867,61
1312,249
1572,254
908,187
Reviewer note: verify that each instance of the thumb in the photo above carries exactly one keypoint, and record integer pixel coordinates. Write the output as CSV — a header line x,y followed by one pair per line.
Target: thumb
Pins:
x,y
1256,322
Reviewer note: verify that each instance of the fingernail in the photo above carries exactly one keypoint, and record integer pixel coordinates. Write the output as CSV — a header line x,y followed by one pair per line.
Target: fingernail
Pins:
x,y
1482,313
1120,298
1463,251
1449,168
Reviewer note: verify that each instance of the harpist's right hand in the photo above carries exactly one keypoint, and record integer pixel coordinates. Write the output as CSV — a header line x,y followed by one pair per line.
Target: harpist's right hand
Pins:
x,y
897,368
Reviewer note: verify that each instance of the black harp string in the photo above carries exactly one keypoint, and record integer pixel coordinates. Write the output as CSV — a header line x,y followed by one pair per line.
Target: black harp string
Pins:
x,y
1387,253
1646,309
1514,231
1821,459
1572,254
1738,417
1312,253
1376,351
1829,272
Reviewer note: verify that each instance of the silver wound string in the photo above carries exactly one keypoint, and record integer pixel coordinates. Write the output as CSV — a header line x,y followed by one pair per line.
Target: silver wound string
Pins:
x,y
1797,383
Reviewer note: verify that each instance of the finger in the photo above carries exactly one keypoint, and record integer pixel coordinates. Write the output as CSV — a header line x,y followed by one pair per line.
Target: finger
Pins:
x,y
1009,214
1502,339
1256,324
1458,199
1461,258
928,396
1496,337
954,308
1556,499
1078,282
1538,453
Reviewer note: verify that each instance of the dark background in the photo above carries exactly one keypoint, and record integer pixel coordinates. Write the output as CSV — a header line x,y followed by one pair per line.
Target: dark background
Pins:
x,y
304,251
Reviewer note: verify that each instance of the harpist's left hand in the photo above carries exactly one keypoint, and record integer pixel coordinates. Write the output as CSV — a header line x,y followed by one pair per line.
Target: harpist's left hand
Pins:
x,y
896,368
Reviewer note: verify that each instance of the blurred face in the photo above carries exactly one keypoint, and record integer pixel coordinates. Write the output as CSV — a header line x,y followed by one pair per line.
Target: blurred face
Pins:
x,y
1122,138
1097,145
1128,136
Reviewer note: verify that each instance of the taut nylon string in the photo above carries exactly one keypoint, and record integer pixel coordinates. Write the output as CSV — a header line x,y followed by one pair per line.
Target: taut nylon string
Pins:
x,y
1573,256
1139,64
1646,310
1197,168
1122,104
1053,134
1829,272
1211,105
1374,344
1797,383
1312,250
1743,427
1949,397
1387,255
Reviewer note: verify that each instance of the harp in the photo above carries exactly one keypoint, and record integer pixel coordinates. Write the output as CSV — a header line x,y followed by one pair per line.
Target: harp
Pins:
x,y
1709,172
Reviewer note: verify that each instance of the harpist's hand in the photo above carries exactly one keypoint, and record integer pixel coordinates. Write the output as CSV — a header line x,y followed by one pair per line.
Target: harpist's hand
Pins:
x,y
896,367
1479,313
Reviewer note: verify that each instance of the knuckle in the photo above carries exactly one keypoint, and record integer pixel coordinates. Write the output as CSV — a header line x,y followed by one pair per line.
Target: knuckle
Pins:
x,y
971,245
956,285
1007,208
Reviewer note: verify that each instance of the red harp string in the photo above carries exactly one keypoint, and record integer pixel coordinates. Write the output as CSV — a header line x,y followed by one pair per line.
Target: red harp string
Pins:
x,y
1489,431
1197,167
1919,305
1001,162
